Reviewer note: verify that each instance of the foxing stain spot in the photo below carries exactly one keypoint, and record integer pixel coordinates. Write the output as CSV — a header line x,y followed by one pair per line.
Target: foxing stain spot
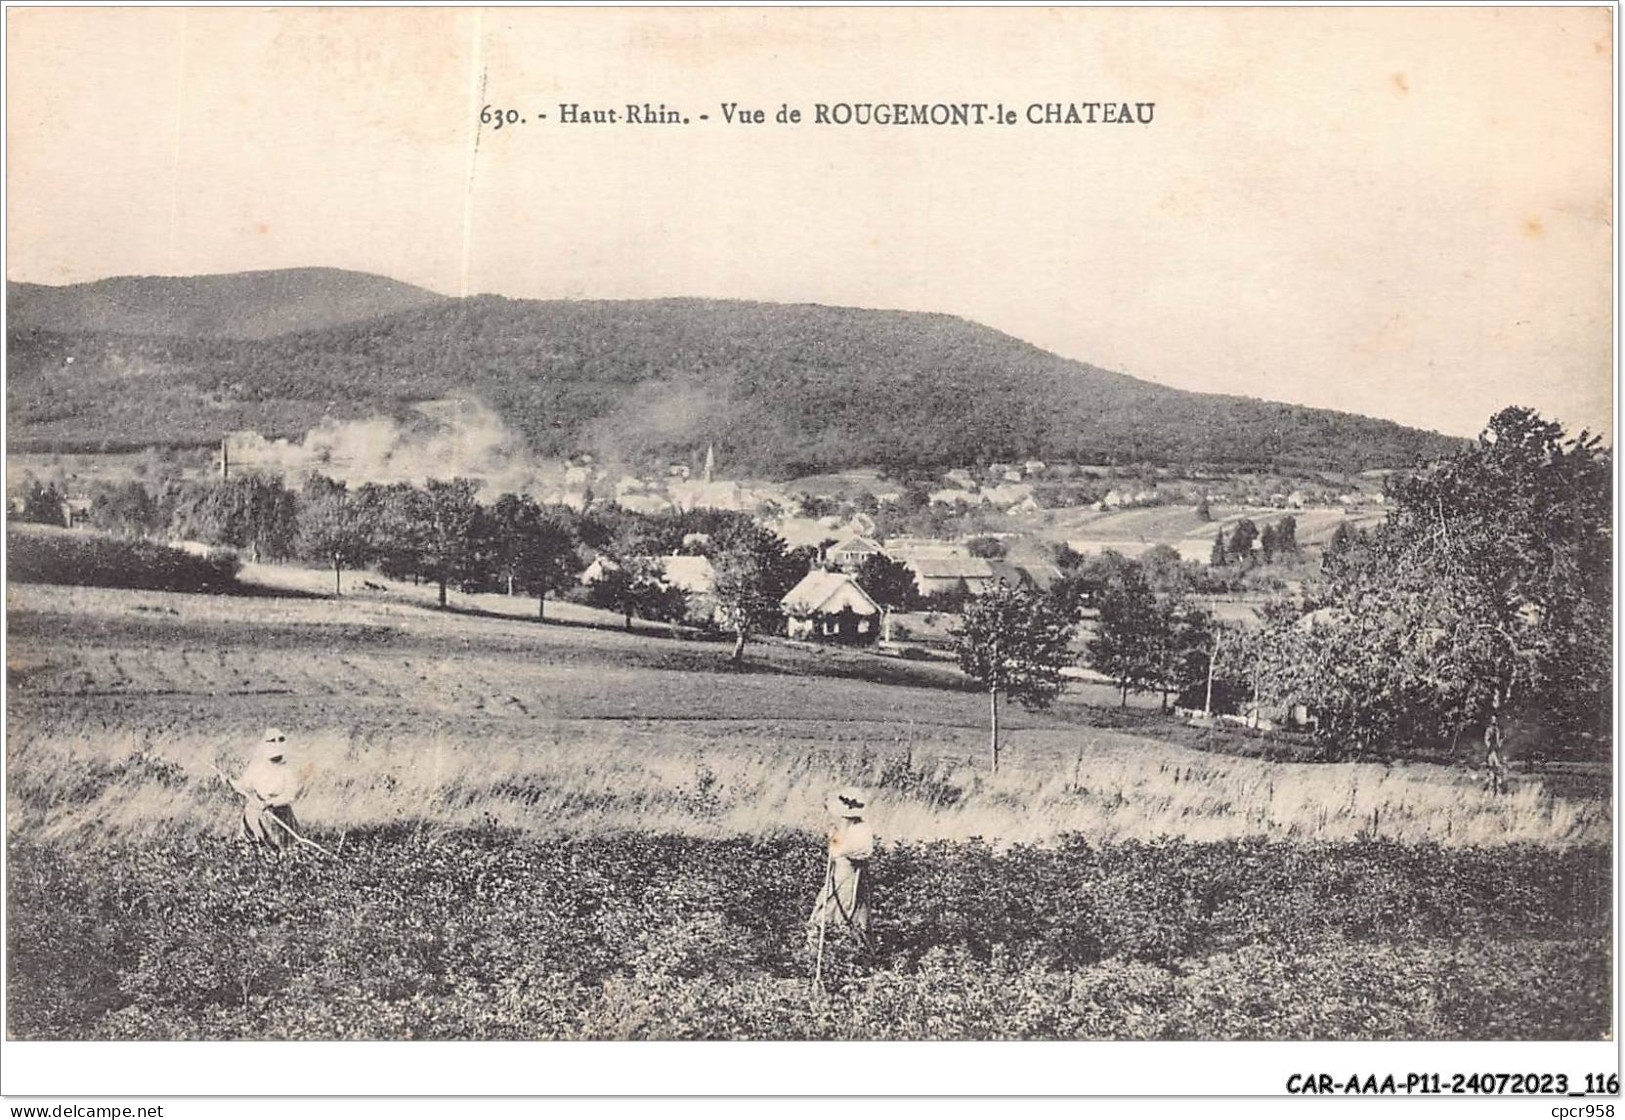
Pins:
x,y
1401,84
1534,227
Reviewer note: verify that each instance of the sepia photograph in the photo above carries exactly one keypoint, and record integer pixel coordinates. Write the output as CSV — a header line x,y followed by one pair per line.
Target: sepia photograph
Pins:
x,y
814,524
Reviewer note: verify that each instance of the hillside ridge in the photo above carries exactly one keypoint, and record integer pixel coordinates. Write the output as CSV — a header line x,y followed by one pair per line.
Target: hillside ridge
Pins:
x,y
778,389
241,305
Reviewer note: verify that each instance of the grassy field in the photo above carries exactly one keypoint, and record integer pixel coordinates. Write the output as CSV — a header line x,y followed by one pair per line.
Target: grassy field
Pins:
x,y
520,780
1171,524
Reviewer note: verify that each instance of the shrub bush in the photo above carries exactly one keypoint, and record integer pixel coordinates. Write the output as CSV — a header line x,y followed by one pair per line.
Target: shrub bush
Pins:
x,y
71,556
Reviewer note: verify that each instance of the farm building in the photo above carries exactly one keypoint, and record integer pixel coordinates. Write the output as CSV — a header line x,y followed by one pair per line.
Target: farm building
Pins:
x,y
600,566
1034,575
830,606
1007,494
643,503
727,495
852,552
950,575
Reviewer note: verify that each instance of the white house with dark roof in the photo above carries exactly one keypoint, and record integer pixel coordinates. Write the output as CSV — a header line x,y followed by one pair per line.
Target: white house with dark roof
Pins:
x,y
831,607
852,552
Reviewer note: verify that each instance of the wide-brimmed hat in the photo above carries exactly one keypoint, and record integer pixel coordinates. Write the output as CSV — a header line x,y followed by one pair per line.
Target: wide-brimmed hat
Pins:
x,y
850,802
271,744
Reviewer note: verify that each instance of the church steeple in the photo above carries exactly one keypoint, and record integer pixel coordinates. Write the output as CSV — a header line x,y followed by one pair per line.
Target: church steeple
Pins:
x,y
710,462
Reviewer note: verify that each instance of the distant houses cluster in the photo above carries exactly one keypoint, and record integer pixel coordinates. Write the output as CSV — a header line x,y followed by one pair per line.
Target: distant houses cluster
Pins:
x,y
830,604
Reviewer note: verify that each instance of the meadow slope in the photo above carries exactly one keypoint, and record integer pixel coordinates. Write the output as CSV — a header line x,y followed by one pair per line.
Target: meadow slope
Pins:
x,y
562,830
403,712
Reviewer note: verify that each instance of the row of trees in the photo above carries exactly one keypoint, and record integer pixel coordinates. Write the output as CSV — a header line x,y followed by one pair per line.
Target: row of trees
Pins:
x,y
441,533
1247,544
1150,643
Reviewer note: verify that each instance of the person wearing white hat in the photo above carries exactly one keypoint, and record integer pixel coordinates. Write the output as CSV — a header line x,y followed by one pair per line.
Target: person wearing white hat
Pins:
x,y
269,786
843,901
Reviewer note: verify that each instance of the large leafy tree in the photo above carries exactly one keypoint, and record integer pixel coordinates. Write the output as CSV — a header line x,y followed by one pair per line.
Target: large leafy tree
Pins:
x,y
1127,642
41,503
333,527
887,582
1268,544
1242,539
126,507
635,589
1014,642
526,547
1286,534
252,512
392,511
753,573
1487,589
1181,644
631,581
446,515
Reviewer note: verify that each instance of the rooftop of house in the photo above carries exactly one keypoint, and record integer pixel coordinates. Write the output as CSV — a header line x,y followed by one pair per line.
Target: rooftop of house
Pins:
x,y
950,567
857,544
817,588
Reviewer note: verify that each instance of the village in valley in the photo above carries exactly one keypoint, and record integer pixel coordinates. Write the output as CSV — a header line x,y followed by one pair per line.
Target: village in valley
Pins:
x,y
874,561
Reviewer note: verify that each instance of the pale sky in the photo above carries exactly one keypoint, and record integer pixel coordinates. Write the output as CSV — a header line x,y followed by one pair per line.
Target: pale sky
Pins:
x,y
1404,213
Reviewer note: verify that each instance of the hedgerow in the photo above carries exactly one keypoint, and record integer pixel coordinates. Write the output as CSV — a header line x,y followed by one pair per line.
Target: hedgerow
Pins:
x,y
71,556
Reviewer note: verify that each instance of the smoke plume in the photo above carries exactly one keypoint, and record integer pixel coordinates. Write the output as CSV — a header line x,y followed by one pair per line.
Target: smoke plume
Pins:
x,y
445,439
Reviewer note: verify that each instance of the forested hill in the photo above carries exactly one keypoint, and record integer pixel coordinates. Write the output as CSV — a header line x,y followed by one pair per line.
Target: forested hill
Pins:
x,y
779,389
236,305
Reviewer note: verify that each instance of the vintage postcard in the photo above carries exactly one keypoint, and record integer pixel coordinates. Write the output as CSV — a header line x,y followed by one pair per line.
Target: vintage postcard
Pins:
x,y
1085,525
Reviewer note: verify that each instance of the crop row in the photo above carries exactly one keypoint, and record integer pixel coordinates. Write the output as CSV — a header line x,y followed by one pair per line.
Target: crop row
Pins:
x,y
483,933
